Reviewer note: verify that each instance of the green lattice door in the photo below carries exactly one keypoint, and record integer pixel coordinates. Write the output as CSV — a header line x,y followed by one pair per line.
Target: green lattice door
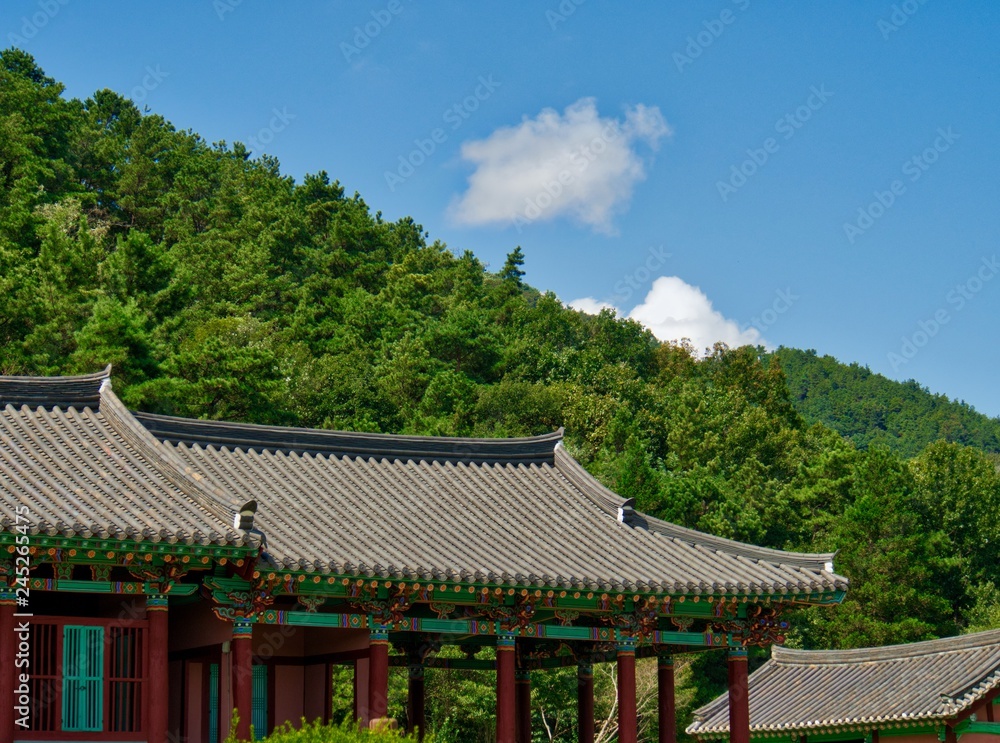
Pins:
x,y
259,717
83,679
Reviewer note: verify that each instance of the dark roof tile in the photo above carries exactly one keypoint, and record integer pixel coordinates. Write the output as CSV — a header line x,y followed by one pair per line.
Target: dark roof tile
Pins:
x,y
828,689
82,466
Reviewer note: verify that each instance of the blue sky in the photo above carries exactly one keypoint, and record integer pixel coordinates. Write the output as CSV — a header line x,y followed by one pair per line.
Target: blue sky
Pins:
x,y
816,175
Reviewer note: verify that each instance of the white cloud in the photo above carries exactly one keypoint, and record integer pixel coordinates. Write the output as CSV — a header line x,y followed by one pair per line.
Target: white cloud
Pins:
x,y
674,310
575,164
592,306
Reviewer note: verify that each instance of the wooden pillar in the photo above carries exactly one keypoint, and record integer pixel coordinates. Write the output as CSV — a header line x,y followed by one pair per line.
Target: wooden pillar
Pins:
x,y
378,674
585,703
415,702
522,684
241,658
159,681
361,666
505,689
9,681
739,697
628,716
666,699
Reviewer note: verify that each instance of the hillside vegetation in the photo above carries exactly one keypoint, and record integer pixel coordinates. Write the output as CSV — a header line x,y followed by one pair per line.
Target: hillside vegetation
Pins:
x,y
872,410
220,288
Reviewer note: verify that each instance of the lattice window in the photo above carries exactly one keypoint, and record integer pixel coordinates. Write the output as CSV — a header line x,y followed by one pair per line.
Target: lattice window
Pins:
x,y
259,715
259,702
46,688
125,677
213,703
83,678
87,678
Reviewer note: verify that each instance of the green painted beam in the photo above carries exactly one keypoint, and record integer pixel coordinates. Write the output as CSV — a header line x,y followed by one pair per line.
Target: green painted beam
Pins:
x,y
474,628
98,544
986,728
107,587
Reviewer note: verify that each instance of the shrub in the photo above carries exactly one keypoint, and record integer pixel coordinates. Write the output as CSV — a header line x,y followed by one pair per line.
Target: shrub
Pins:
x,y
347,732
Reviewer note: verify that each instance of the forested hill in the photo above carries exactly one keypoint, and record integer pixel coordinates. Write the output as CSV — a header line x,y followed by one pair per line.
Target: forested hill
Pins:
x,y
871,409
220,288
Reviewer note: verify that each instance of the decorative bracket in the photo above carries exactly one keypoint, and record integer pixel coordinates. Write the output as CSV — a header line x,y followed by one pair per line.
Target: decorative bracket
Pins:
x,y
386,612
311,602
442,610
245,604
763,626
162,578
512,618
638,624
566,617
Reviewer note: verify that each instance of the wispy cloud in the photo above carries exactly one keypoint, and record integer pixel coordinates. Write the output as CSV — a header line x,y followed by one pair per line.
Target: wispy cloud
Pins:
x,y
576,164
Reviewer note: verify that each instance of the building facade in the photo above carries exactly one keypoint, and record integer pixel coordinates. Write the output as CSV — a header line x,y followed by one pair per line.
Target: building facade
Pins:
x,y
157,573
939,691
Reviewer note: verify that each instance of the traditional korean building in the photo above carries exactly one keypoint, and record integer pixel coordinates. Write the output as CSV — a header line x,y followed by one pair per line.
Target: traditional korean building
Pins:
x,y
157,573
941,691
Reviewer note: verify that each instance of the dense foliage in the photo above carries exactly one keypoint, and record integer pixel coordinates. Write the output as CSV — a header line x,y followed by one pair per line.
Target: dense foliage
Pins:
x,y
872,410
316,732
219,288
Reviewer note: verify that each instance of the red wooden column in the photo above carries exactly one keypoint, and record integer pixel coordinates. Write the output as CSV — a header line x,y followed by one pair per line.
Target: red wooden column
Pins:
x,y
585,703
415,701
242,676
666,699
628,716
739,698
378,674
505,690
522,685
159,679
8,673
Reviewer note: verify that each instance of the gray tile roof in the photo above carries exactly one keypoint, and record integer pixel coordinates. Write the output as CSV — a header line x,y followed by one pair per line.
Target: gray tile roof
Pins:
x,y
504,511
82,466
800,690
509,511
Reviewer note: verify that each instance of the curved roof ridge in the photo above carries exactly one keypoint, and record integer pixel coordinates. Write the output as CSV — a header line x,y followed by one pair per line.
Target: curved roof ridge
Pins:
x,y
212,498
81,390
610,502
538,449
790,656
